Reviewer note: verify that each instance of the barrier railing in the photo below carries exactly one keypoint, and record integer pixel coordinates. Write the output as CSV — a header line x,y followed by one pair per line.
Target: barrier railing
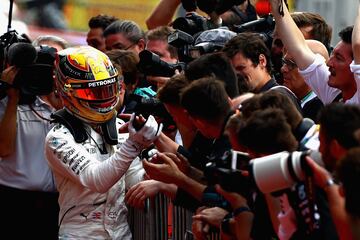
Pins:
x,y
160,220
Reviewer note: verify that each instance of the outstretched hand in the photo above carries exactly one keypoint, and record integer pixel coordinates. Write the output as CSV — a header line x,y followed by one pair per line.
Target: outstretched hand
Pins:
x,y
212,216
163,168
143,132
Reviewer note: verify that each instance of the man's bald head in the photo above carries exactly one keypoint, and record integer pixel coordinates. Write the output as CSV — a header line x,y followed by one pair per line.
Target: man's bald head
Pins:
x,y
318,48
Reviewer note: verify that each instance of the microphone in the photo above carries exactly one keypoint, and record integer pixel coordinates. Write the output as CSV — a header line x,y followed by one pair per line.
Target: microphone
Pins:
x,y
21,54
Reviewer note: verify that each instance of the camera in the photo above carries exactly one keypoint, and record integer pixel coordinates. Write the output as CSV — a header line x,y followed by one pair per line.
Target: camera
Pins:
x,y
183,42
147,106
268,174
264,26
203,48
6,40
192,23
229,172
151,64
282,170
217,6
148,153
35,74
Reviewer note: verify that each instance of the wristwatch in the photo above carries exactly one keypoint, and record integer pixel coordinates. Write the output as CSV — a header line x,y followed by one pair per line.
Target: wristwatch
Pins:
x,y
225,224
329,183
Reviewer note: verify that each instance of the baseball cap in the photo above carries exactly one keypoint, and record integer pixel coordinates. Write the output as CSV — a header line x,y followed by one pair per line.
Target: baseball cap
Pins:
x,y
217,36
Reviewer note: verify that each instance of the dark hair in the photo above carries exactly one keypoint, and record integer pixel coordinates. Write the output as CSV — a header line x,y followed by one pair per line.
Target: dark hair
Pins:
x,y
128,28
206,98
348,172
275,100
320,31
251,45
346,33
266,132
127,60
214,65
340,121
162,33
170,92
101,21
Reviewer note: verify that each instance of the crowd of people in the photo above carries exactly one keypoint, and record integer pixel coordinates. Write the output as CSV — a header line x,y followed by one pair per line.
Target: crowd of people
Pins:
x,y
258,139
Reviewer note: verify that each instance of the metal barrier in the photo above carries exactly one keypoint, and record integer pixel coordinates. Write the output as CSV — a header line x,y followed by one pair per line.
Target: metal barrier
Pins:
x,y
153,223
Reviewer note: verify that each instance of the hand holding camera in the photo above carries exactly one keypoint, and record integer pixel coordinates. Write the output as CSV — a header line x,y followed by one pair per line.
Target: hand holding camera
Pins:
x,y
143,132
7,79
321,176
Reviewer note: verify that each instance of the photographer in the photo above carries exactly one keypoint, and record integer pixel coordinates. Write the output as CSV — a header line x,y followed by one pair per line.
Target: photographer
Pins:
x,y
28,192
338,122
306,133
157,42
348,173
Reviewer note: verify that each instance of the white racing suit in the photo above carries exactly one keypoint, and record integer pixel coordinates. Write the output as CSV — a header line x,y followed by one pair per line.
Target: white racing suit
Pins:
x,y
91,184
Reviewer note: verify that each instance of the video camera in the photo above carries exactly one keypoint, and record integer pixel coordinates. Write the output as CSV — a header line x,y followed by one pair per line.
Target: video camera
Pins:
x,y
35,65
35,75
209,41
183,42
194,23
151,64
264,26
268,174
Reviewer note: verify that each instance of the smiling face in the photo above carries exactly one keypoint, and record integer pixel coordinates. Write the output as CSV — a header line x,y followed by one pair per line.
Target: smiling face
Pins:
x,y
339,66
245,68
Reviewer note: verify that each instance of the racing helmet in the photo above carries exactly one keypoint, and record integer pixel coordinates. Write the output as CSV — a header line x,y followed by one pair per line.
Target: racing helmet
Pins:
x,y
88,83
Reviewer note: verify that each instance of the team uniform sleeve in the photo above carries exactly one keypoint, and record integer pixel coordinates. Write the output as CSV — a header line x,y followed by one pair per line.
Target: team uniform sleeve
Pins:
x,y
71,160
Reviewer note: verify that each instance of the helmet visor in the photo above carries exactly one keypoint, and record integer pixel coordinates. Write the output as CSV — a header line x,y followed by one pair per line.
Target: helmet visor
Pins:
x,y
95,90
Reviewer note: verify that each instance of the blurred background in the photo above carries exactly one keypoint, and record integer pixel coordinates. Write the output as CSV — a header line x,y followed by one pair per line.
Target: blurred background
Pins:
x,y
68,18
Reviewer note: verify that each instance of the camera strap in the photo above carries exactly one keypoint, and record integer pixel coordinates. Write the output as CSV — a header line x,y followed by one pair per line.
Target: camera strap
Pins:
x,y
310,193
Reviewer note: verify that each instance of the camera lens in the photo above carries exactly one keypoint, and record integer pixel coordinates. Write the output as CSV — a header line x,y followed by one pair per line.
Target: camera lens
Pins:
x,y
281,170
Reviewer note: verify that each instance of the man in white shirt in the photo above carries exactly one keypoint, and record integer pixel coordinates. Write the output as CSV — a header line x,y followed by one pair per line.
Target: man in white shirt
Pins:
x,y
327,79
